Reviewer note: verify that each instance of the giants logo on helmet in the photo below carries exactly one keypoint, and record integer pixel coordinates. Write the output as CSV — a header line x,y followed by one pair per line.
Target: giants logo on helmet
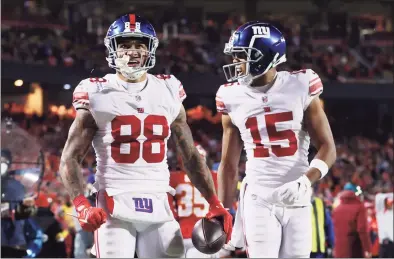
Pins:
x,y
262,30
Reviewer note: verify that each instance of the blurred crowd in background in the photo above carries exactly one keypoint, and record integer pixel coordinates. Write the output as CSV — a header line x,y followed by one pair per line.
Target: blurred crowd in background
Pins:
x,y
338,47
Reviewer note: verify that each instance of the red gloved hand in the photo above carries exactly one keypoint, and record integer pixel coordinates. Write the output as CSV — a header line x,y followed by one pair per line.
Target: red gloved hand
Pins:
x,y
89,217
216,210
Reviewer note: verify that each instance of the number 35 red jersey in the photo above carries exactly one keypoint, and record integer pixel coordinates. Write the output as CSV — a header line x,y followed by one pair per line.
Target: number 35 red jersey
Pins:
x,y
188,205
133,122
271,125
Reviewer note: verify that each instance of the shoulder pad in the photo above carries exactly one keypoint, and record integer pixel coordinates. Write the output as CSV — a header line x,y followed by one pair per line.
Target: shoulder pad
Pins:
x,y
314,82
92,84
86,86
221,98
311,79
174,84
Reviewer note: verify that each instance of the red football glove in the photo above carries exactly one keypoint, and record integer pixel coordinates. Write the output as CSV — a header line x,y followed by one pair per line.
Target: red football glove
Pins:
x,y
89,217
216,210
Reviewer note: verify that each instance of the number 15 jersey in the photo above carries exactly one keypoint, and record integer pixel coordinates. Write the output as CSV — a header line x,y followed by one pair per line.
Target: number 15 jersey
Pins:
x,y
271,125
133,128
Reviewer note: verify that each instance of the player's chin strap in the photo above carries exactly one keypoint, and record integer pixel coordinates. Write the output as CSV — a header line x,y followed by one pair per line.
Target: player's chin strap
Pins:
x,y
130,73
248,79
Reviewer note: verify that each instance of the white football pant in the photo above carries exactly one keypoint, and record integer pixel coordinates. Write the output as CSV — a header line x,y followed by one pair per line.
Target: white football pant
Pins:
x,y
121,239
276,232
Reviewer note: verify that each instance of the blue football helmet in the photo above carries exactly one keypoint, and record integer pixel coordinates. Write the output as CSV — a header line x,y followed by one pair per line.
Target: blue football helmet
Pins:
x,y
131,26
261,45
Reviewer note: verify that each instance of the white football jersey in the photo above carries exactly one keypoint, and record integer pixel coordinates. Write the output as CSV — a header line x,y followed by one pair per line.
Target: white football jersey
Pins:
x,y
271,125
133,128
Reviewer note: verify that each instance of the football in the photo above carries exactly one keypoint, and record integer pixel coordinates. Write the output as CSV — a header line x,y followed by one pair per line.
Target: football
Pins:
x,y
208,236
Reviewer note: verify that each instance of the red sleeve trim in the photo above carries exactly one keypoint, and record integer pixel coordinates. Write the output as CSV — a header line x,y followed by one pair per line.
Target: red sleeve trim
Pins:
x,y
80,96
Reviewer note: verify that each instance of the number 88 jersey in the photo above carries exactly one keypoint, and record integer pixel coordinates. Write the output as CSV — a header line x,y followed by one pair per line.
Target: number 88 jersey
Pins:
x,y
133,128
270,121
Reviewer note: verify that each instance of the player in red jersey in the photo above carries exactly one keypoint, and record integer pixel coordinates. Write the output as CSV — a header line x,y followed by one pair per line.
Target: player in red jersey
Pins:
x,y
188,205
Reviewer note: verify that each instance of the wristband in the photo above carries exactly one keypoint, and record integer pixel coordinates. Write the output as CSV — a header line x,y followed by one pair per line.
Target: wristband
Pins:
x,y
321,165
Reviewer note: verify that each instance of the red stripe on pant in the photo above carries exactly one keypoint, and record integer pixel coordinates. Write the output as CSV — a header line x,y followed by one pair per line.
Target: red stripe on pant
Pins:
x,y
243,220
96,232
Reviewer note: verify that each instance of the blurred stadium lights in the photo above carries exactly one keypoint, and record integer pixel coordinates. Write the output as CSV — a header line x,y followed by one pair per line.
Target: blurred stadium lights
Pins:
x,y
53,109
67,87
35,100
62,111
18,82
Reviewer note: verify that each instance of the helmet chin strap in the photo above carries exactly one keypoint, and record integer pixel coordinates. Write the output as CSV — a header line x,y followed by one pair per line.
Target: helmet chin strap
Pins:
x,y
248,80
130,73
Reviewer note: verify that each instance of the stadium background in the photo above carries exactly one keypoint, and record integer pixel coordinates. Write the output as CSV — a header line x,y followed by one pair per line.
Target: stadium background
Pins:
x,y
48,46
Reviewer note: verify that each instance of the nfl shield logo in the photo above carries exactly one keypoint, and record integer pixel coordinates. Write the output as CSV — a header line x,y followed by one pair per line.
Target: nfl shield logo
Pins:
x,y
138,98
265,99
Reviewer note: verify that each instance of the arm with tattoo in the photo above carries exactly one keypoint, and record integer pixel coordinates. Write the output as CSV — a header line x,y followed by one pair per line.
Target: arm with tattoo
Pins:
x,y
194,165
198,172
79,140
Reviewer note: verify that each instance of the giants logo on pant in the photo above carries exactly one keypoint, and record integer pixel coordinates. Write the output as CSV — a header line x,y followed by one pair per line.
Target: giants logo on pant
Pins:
x,y
143,205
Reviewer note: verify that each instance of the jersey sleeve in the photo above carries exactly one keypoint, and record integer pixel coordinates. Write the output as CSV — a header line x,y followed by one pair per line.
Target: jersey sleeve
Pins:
x,y
221,107
181,91
176,87
177,91
315,86
81,94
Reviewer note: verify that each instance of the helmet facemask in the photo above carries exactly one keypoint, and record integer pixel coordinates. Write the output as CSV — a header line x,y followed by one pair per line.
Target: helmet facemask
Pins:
x,y
252,56
131,63
247,55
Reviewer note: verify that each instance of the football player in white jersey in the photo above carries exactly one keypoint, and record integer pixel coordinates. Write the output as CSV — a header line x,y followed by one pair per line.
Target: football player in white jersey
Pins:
x,y
128,117
273,114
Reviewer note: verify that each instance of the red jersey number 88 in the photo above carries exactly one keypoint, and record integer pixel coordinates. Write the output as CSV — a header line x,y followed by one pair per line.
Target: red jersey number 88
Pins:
x,y
126,147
